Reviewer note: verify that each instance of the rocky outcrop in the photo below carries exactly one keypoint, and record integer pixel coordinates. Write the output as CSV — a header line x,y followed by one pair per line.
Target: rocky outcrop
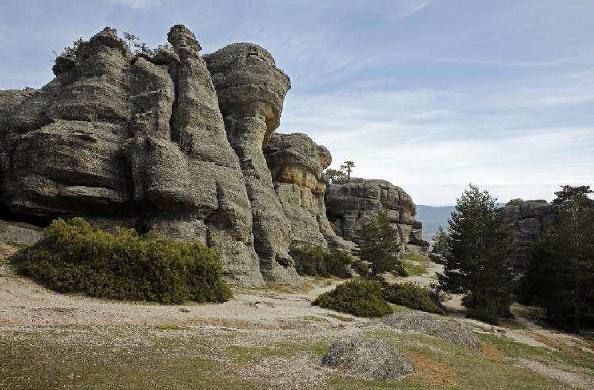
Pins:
x,y
135,139
181,146
368,359
526,220
350,203
251,91
296,164
434,325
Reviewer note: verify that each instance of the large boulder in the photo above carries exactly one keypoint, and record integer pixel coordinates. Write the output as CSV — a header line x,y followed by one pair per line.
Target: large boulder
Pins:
x,y
296,163
368,359
251,91
526,221
135,140
348,204
434,325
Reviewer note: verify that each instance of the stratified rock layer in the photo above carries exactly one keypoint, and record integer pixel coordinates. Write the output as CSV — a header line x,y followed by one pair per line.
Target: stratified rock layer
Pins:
x,y
136,139
296,163
527,220
348,204
251,90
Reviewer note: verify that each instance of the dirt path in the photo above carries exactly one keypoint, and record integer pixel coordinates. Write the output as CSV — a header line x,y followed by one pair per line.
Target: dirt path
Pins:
x,y
25,303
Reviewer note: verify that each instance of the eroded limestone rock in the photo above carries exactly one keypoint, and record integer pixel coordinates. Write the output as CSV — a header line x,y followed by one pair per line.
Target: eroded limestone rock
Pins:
x,y
350,203
251,91
296,164
134,139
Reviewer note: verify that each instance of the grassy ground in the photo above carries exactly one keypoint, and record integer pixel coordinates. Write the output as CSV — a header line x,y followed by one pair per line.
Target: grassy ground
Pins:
x,y
415,264
231,354
182,358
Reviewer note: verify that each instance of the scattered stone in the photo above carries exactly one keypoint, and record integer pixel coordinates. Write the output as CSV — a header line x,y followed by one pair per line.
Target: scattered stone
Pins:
x,y
368,359
19,233
434,325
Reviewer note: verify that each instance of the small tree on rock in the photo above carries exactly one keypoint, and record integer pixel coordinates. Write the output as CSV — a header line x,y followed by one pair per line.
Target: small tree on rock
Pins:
x,y
335,176
348,167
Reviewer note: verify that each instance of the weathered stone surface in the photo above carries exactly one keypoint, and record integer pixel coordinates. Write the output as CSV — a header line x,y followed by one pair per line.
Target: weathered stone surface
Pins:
x,y
368,359
527,219
19,233
296,164
349,203
132,139
251,90
434,325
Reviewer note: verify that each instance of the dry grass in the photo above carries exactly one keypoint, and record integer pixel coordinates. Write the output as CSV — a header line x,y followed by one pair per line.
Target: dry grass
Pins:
x,y
431,373
491,352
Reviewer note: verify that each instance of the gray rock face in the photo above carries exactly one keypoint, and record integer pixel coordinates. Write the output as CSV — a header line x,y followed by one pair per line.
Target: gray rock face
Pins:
x,y
527,219
350,203
183,146
368,359
296,164
251,91
138,140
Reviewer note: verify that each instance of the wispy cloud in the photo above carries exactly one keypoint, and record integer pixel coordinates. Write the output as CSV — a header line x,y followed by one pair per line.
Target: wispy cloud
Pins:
x,y
139,4
428,94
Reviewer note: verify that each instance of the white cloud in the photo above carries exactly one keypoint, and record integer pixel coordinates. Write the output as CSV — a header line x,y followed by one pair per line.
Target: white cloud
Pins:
x,y
140,4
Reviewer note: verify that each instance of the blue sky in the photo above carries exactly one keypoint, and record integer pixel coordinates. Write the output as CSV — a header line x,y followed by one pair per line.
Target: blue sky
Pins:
x,y
429,94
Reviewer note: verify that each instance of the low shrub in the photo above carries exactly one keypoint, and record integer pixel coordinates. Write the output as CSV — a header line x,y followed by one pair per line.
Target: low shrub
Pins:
x,y
413,296
74,257
314,260
362,298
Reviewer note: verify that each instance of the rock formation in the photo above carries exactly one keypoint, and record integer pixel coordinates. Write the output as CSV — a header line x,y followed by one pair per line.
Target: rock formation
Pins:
x,y
251,91
182,146
296,164
135,139
350,203
527,219
368,359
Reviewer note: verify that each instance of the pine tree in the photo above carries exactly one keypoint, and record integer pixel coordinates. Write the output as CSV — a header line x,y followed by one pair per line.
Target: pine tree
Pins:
x,y
348,167
560,274
476,259
378,244
440,239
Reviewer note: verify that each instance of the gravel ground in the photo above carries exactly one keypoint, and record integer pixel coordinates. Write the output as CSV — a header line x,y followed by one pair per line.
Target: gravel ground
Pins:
x,y
572,379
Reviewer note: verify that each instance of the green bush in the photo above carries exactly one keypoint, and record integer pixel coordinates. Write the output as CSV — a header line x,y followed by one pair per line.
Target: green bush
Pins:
x,y
362,298
77,258
314,260
412,295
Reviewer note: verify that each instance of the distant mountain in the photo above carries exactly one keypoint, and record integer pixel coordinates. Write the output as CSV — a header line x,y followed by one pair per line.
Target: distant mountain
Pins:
x,y
432,217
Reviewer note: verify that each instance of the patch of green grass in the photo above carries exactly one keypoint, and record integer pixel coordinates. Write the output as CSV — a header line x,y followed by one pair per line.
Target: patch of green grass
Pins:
x,y
108,358
571,356
442,365
415,264
252,354
340,318
166,327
